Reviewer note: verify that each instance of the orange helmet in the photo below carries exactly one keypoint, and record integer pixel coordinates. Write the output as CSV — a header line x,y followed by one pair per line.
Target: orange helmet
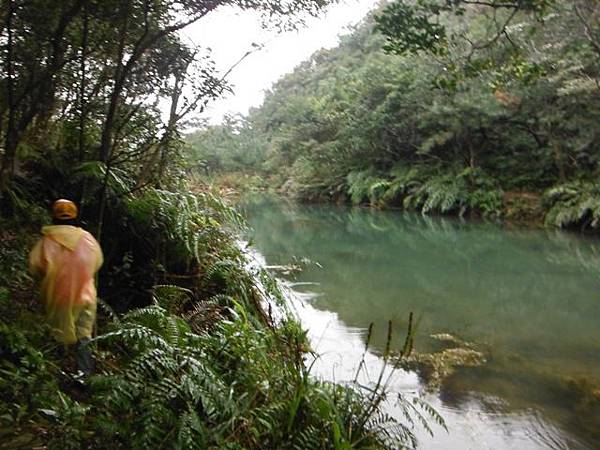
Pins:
x,y
64,209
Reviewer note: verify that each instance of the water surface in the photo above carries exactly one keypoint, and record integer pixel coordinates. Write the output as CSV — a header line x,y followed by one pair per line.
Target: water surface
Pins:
x,y
528,298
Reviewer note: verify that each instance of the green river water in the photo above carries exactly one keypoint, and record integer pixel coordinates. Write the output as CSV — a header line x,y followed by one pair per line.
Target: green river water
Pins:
x,y
528,299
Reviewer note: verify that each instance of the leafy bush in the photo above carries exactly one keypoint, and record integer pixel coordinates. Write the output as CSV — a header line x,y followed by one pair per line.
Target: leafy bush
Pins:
x,y
316,180
242,385
165,237
19,203
184,224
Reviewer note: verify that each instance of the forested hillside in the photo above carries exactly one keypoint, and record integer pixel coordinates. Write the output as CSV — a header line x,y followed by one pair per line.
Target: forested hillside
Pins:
x,y
458,107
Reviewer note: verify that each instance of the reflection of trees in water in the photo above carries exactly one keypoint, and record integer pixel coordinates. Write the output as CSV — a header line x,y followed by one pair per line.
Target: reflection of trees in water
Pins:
x,y
525,289
527,296
582,252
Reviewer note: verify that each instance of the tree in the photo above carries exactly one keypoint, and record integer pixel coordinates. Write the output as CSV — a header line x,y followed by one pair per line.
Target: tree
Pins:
x,y
415,26
84,81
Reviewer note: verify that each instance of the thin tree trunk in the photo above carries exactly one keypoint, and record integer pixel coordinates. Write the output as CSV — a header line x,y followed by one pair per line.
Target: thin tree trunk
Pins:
x,y
472,157
106,140
82,100
102,211
8,162
145,42
83,105
559,161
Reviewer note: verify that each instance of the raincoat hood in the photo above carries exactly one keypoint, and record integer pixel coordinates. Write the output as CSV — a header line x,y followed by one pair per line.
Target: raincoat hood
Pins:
x,y
66,235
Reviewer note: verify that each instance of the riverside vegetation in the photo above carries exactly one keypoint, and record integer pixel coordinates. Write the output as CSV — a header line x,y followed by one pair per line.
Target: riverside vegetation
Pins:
x,y
188,353
439,106
200,364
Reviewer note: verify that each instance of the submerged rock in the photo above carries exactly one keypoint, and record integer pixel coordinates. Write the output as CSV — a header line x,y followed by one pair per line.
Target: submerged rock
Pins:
x,y
435,367
585,397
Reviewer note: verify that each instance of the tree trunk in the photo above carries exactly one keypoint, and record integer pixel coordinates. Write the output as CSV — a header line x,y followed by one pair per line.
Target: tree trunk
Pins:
x,y
10,148
106,141
82,100
559,160
472,157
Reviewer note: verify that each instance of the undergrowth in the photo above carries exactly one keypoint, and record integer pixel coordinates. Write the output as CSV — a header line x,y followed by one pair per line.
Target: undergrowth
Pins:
x,y
428,191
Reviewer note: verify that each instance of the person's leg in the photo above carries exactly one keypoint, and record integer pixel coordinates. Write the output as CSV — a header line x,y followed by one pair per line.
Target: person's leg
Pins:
x,y
85,360
62,323
83,329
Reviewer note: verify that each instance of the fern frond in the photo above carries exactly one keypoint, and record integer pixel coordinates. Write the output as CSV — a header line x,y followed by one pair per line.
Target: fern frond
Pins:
x,y
171,297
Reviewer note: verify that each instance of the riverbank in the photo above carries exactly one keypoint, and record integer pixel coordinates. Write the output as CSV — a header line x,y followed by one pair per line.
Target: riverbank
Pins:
x,y
570,206
195,361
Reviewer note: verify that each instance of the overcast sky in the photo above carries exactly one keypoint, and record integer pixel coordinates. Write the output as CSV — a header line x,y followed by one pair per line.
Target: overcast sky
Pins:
x,y
230,34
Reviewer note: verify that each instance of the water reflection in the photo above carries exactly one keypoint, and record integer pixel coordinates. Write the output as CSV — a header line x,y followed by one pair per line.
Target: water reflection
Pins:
x,y
528,297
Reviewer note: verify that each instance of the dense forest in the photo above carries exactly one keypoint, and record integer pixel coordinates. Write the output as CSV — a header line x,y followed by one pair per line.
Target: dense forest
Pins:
x,y
453,107
94,95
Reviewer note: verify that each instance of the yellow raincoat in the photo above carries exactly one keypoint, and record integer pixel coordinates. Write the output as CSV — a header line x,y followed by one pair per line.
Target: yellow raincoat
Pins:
x,y
67,259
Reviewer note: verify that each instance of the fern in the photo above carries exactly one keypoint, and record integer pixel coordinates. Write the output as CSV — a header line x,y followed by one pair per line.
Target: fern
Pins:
x,y
358,187
573,204
191,432
184,224
468,190
117,181
172,298
171,384
377,190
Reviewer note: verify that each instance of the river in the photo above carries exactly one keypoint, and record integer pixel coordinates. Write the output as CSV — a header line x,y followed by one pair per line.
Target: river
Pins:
x,y
529,300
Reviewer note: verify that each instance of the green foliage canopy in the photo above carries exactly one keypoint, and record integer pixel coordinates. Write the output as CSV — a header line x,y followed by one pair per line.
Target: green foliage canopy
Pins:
x,y
495,101
416,26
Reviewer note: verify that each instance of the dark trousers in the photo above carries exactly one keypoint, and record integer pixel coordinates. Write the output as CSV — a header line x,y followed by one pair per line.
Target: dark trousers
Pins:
x,y
83,357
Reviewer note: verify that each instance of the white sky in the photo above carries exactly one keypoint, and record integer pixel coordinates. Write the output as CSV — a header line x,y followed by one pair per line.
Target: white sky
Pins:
x,y
230,34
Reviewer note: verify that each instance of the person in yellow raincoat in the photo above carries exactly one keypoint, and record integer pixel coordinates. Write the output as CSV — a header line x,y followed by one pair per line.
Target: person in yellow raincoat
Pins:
x,y
66,260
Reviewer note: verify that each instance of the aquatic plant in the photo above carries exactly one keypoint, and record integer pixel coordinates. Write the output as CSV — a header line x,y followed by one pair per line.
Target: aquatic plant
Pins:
x,y
437,366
